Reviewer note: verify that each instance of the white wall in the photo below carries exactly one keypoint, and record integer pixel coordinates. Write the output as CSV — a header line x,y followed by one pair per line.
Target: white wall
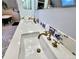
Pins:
x,y
63,19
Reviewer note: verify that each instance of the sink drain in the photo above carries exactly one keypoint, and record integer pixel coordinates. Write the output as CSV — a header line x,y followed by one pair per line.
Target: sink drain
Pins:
x,y
38,50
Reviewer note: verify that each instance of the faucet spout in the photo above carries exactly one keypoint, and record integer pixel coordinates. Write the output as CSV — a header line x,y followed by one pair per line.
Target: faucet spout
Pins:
x,y
41,34
46,33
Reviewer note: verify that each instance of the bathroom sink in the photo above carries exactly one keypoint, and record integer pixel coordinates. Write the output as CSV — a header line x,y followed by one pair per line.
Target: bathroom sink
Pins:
x,y
30,46
33,48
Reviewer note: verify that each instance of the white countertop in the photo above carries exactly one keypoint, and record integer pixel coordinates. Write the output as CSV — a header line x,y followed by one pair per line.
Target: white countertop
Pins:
x,y
60,52
27,27
13,49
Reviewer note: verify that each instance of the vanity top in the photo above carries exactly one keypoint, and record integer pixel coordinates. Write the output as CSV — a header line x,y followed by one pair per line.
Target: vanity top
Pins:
x,y
61,52
26,26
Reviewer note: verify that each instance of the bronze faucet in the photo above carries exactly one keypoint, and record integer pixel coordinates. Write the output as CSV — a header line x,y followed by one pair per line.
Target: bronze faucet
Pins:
x,y
55,44
46,33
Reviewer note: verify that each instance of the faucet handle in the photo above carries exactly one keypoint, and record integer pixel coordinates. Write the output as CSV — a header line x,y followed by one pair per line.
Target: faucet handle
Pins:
x,y
55,44
58,42
58,36
52,30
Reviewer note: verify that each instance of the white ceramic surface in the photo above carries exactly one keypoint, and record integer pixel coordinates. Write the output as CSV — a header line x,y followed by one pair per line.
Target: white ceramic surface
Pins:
x,y
69,43
28,47
60,52
29,26
29,43
47,51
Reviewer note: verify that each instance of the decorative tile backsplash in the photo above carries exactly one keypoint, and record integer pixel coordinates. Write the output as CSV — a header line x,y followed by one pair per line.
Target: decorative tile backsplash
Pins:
x,y
49,28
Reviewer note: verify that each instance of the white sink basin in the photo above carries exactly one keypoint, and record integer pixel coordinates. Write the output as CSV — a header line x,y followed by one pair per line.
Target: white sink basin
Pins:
x,y
28,48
